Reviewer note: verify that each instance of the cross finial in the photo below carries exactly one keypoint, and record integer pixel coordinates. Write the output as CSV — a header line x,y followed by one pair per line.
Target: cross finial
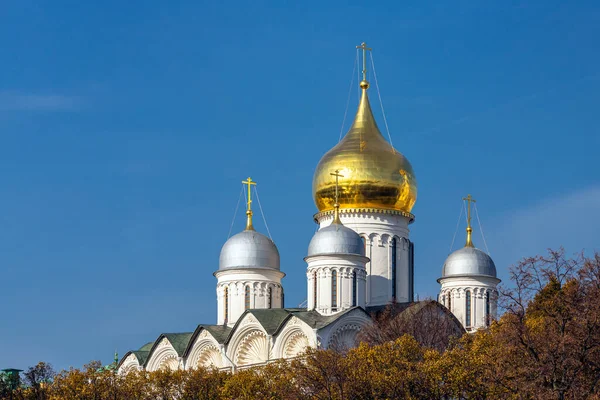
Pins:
x,y
336,205
364,84
249,182
469,199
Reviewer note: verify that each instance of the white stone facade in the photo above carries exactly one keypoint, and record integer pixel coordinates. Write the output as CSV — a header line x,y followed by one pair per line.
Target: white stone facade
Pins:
x,y
242,289
472,299
250,344
335,282
388,277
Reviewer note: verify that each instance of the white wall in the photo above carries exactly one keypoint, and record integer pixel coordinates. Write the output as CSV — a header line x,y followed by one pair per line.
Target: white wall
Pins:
x,y
378,228
258,280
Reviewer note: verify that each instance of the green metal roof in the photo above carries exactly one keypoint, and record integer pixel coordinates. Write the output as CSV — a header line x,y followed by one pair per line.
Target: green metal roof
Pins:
x,y
147,346
317,321
219,332
141,356
179,341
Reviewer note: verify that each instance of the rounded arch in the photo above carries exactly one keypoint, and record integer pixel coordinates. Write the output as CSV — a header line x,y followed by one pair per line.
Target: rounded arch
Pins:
x,y
253,348
344,333
130,364
249,342
164,356
205,353
293,339
209,356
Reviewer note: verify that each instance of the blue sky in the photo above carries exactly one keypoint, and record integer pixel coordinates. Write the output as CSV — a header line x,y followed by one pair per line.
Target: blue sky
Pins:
x,y
127,127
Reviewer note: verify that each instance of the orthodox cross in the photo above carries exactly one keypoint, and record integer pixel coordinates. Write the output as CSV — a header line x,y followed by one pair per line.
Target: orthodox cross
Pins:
x,y
337,176
336,206
469,199
249,182
364,48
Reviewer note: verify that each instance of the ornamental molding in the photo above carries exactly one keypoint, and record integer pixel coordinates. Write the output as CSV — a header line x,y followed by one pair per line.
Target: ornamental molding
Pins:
x,y
254,348
250,319
296,344
367,213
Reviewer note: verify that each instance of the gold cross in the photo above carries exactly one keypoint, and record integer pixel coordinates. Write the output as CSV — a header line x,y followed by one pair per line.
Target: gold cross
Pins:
x,y
336,206
469,200
364,48
337,176
249,182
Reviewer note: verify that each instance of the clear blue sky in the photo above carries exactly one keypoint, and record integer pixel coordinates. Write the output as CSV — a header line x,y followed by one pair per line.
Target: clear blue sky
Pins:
x,y
126,128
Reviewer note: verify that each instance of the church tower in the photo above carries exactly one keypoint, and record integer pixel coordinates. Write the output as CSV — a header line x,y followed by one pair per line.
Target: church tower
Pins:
x,y
336,271
468,283
249,274
377,190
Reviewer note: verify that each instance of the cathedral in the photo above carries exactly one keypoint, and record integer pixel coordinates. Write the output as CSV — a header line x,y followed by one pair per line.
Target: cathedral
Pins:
x,y
360,260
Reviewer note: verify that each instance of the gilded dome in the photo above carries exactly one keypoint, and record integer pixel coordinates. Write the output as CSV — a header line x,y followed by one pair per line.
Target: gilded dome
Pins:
x,y
374,174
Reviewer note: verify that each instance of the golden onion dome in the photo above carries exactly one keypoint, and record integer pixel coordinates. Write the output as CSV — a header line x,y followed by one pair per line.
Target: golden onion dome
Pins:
x,y
374,174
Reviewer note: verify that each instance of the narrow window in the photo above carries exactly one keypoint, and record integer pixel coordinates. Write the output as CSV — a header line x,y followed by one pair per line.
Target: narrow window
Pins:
x,y
315,290
226,311
444,299
450,301
487,309
334,290
270,297
394,268
364,244
468,309
247,298
354,285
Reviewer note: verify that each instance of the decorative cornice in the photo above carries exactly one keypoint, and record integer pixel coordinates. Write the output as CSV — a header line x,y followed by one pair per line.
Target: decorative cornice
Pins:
x,y
343,211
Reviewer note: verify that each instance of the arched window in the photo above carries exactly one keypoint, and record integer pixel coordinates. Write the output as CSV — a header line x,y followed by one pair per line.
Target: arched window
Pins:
x,y
354,285
334,290
468,309
394,268
364,240
226,311
247,298
270,297
487,308
450,301
443,299
315,290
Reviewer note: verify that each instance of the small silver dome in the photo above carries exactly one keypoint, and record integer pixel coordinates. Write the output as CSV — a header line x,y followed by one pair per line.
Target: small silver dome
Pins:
x,y
469,261
336,239
249,249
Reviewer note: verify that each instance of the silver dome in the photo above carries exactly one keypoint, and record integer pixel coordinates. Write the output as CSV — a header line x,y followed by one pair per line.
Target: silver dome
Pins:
x,y
249,249
469,261
336,239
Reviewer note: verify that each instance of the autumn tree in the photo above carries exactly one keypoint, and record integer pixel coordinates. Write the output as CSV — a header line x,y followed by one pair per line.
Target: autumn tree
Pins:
x,y
430,323
38,380
552,323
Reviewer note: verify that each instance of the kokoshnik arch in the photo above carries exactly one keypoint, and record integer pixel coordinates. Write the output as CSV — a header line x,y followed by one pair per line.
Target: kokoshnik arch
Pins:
x,y
359,260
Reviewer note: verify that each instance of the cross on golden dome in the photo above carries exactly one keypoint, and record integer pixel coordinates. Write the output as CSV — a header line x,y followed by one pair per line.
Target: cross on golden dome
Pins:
x,y
364,84
336,205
